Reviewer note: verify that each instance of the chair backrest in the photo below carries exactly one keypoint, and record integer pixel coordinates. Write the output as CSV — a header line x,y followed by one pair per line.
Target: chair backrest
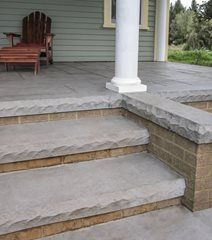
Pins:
x,y
34,28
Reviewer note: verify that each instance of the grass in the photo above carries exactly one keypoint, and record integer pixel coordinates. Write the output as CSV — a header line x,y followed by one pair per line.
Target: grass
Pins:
x,y
197,57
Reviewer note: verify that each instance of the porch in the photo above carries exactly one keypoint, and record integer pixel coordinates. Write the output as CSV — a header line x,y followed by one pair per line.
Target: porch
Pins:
x,y
65,115
55,126
87,79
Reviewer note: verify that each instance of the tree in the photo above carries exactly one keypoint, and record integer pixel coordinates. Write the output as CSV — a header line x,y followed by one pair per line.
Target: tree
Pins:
x,y
191,28
171,18
171,13
194,6
174,10
181,26
206,10
178,7
200,36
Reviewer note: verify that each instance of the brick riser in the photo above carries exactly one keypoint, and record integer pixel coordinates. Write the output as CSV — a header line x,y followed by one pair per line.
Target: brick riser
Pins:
x,y
60,116
80,157
56,228
205,106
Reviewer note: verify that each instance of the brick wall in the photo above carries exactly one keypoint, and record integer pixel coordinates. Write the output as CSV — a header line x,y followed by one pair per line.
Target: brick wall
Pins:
x,y
189,159
206,106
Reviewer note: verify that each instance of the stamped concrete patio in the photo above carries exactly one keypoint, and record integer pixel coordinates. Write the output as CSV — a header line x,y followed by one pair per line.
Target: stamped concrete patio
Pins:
x,y
86,79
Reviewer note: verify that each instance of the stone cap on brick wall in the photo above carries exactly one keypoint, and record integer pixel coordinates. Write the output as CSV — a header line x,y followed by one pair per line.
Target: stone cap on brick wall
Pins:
x,y
187,95
191,123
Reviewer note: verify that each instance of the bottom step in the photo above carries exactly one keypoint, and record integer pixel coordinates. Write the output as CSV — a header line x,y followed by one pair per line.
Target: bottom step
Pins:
x,y
174,223
57,194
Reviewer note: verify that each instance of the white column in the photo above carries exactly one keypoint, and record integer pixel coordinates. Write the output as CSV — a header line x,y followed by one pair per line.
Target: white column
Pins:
x,y
127,43
162,30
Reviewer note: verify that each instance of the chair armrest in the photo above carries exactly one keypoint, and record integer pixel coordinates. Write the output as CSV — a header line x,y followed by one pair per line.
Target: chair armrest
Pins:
x,y
49,39
9,34
50,35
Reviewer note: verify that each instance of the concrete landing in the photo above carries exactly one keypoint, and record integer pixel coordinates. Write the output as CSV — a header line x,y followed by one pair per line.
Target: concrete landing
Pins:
x,y
174,223
58,138
43,196
88,79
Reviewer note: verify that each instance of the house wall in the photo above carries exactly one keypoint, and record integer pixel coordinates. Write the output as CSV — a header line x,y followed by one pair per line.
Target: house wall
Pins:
x,y
78,25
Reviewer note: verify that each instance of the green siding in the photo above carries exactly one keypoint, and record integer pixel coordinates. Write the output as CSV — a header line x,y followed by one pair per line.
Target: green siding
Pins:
x,y
78,28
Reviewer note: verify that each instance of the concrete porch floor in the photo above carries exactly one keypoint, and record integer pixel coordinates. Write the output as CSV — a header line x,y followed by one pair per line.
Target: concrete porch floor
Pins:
x,y
85,79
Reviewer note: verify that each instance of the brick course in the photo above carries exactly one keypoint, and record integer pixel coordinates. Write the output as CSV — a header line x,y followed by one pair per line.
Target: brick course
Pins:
x,y
73,158
59,116
206,106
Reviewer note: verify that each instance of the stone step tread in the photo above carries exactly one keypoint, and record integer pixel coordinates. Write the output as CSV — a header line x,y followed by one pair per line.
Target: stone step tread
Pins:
x,y
175,223
42,196
58,138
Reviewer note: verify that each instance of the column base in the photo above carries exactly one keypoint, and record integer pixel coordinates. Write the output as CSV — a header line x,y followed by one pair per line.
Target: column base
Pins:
x,y
127,88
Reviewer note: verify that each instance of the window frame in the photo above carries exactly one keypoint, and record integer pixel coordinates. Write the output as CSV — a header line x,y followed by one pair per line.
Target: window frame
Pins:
x,y
144,15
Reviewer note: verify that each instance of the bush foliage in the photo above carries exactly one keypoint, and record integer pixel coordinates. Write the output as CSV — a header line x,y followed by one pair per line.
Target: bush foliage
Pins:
x,y
191,27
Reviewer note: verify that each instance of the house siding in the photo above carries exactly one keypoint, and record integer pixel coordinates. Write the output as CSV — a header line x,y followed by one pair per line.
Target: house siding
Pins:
x,y
78,25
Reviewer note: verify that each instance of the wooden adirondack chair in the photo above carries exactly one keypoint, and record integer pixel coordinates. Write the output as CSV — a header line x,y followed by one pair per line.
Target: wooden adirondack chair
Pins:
x,y
36,33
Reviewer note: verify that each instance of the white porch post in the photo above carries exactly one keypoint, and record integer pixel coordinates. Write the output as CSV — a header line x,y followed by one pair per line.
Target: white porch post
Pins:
x,y
127,43
162,30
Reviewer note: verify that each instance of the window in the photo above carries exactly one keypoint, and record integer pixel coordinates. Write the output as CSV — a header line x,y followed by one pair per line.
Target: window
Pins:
x,y
110,14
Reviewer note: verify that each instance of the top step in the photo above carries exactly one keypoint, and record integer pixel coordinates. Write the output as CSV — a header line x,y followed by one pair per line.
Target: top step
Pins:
x,y
59,138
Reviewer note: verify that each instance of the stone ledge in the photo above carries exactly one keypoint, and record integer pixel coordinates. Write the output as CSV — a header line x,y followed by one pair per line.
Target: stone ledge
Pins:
x,y
187,96
191,123
44,106
183,120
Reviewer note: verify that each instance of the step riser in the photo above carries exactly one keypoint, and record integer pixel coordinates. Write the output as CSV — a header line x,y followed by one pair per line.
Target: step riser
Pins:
x,y
60,116
68,159
56,228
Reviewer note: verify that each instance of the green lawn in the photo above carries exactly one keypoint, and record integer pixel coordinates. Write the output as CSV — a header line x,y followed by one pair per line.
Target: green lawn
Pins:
x,y
197,57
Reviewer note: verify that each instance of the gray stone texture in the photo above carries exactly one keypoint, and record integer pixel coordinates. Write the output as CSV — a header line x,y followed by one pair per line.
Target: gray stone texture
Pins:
x,y
77,86
81,86
43,196
191,123
174,223
58,105
187,95
57,138
81,79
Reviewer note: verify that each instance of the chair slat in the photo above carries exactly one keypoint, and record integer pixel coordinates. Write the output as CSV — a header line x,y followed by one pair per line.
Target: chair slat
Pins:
x,y
30,31
35,28
24,29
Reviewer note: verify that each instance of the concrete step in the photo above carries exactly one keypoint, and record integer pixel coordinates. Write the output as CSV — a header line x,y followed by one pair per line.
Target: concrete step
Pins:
x,y
60,138
175,223
73,192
